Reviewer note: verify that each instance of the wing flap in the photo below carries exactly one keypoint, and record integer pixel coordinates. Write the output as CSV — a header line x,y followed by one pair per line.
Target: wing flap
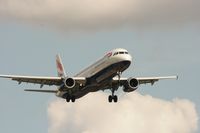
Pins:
x,y
44,91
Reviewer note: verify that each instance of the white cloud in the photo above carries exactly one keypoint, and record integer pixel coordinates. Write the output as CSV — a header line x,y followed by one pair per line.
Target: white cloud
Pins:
x,y
97,14
133,113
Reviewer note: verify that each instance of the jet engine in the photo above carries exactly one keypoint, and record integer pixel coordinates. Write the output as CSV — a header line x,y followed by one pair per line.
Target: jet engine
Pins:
x,y
69,82
131,85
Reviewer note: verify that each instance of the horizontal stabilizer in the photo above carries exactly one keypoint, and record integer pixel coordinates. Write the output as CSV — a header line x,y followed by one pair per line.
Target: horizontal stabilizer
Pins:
x,y
44,91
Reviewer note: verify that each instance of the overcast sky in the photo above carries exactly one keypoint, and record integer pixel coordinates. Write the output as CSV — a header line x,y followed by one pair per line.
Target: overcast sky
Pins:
x,y
163,41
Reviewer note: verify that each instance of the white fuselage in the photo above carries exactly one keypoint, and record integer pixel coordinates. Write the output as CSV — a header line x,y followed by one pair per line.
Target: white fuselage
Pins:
x,y
102,71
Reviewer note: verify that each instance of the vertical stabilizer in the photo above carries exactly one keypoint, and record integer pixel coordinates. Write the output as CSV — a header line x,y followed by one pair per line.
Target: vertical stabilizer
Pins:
x,y
60,67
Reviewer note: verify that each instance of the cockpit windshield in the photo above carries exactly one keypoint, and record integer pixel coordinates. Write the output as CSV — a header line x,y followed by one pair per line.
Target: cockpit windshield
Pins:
x,y
120,52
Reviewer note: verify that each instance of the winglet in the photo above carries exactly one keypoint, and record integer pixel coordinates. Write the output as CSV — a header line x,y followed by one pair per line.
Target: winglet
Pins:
x,y
60,67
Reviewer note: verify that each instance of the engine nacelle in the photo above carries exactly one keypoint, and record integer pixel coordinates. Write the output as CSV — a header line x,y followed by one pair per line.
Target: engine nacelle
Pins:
x,y
69,82
131,85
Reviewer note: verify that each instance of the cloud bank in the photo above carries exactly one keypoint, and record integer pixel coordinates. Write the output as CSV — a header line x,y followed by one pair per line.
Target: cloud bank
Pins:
x,y
134,113
97,14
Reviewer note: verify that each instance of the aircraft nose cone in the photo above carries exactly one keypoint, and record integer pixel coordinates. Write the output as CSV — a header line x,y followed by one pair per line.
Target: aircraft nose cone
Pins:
x,y
124,58
127,57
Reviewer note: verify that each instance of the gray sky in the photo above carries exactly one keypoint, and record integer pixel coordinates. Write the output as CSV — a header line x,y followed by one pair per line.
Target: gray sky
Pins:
x,y
30,49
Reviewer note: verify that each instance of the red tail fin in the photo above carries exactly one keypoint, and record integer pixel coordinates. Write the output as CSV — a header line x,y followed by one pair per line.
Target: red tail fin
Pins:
x,y
60,67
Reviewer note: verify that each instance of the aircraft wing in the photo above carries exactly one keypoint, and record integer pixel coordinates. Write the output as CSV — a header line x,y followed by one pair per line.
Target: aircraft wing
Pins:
x,y
41,80
152,80
145,80
34,79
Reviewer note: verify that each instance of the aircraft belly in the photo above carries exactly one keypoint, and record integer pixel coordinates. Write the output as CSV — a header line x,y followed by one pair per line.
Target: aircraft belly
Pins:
x,y
97,82
110,71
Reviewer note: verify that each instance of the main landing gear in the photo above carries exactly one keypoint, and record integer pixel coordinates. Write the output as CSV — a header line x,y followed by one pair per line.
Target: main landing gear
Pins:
x,y
72,98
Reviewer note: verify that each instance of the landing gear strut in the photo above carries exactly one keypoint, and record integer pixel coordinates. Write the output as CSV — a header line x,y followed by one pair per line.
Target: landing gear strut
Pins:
x,y
114,97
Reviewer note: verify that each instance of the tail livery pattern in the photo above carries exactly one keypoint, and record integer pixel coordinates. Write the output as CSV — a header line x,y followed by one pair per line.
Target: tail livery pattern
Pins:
x,y
60,67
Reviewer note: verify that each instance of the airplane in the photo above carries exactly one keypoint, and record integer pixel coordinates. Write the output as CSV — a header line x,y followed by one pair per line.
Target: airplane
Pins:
x,y
104,74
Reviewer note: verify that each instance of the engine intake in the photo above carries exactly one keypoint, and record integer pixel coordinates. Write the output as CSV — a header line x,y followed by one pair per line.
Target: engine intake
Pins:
x,y
131,85
70,82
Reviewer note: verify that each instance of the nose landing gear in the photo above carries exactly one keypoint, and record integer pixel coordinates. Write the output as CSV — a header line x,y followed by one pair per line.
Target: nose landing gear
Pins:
x,y
72,98
114,97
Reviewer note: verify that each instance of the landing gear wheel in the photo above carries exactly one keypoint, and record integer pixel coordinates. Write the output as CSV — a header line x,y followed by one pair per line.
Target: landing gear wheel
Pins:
x,y
110,99
73,99
115,98
68,99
